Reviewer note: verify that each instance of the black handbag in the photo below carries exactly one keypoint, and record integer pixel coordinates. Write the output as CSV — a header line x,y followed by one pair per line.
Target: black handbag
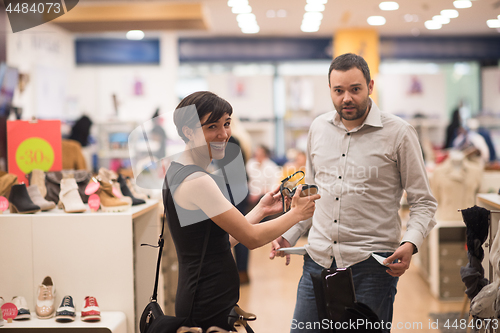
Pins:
x,y
337,305
153,320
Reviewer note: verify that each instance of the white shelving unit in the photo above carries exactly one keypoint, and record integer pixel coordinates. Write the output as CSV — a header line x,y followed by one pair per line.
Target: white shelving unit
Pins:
x,y
88,254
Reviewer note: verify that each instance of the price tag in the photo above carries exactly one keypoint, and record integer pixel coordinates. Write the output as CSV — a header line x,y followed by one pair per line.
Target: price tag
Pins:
x,y
4,204
94,202
92,187
34,153
9,311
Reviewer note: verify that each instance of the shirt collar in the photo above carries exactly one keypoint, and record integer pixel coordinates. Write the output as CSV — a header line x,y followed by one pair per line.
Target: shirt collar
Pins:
x,y
373,119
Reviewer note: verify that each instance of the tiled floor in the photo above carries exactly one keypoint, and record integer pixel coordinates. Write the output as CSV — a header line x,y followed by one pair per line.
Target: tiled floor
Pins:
x,y
272,289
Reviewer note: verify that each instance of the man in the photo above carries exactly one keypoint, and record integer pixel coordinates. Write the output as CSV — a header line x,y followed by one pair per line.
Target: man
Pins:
x,y
362,159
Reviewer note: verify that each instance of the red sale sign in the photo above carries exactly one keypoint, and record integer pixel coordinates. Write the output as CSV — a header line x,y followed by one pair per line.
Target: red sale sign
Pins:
x,y
9,311
33,145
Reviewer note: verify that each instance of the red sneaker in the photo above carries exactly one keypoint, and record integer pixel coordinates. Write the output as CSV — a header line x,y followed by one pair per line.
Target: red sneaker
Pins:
x,y
90,309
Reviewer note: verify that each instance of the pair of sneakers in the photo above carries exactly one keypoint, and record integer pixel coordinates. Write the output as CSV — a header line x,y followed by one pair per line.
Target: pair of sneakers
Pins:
x,y
90,310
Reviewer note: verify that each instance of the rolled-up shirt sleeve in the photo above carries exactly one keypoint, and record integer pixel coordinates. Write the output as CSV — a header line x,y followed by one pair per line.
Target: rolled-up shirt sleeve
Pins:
x,y
414,180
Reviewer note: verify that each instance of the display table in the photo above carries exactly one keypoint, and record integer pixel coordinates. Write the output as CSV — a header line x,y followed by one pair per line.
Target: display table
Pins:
x,y
111,322
87,254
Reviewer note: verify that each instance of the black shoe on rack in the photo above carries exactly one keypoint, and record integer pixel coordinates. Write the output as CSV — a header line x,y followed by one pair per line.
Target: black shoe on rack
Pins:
x,y
20,201
126,192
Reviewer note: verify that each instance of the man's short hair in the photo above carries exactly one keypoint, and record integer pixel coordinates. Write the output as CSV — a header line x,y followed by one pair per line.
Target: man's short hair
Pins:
x,y
347,61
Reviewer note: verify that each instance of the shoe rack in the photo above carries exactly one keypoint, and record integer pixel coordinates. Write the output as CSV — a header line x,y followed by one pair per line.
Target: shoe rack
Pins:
x,y
97,254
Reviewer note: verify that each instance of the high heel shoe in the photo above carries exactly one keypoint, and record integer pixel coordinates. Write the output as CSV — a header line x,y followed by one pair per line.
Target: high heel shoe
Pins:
x,y
289,186
238,318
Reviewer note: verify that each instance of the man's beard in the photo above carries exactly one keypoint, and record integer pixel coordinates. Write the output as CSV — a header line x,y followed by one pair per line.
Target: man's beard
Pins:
x,y
360,110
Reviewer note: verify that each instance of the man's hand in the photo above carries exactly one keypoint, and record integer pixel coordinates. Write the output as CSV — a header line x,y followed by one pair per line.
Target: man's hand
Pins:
x,y
277,244
403,255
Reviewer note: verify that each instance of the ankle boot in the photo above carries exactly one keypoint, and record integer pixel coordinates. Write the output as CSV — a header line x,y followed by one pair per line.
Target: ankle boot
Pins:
x,y
39,200
109,176
135,191
70,198
20,201
126,192
38,179
6,182
109,202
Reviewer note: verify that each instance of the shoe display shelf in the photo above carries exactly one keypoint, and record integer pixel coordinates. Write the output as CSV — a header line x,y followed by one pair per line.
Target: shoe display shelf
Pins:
x,y
111,322
87,254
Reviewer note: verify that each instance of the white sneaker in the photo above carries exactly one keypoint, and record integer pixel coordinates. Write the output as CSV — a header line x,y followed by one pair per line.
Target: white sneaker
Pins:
x,y
23,312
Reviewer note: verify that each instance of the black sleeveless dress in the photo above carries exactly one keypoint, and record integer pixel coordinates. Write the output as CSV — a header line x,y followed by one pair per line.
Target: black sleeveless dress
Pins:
x,y
218,288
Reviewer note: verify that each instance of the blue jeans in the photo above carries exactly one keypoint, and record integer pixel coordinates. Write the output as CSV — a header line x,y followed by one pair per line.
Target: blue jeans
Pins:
x,y
373,287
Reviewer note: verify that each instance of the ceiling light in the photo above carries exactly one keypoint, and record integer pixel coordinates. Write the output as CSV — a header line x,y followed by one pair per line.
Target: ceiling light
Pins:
x,y
313,16
309,27
493,23
242,9
232,3
320,2
246,18
271,13
135,35
432,25
376,20
408,18
281,13
441,19
388,5
450,13
315,7
462,4
251,30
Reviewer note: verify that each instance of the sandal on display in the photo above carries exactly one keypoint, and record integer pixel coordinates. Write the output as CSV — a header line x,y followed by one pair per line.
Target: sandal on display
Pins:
x,y
289,186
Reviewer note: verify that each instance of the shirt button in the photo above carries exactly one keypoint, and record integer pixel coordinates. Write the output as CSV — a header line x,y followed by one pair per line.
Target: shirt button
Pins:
x,y
340,177
334,242
337,199
335,221
348,133
343,155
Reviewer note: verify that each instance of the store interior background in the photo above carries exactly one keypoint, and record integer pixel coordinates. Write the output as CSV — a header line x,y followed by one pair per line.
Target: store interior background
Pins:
x,y
274,84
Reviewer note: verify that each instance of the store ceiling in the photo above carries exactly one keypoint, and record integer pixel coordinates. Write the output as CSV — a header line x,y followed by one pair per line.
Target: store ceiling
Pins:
x,y
214,17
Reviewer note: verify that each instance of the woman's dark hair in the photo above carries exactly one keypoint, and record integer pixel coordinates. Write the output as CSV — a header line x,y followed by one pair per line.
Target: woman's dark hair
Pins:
x,y
204,102
81,130
347,61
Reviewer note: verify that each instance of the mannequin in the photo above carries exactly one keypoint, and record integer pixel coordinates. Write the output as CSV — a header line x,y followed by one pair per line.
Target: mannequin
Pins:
x,y
454,184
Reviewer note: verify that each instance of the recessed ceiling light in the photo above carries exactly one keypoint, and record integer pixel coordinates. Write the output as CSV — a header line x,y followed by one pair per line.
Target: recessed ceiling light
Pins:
x,y
309,27
281,13
246,18
462,4
388,5
320,2
441,19
242,9
376,20
232,3
251,30
135,35
315,7
493,23
313,16
271,13
432,25
408,18
450,13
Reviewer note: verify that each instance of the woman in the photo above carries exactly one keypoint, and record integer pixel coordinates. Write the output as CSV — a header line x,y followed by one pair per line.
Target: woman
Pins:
x,y
203,121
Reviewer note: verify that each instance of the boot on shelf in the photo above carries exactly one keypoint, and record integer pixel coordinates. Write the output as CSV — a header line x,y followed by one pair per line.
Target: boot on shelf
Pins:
x,y
20,201
109,176
39,200
69,197
6,182
38,179
126,192
109,202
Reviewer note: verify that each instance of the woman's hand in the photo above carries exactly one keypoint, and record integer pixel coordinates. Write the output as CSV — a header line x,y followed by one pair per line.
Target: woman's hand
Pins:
x,y
270,203
303,206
